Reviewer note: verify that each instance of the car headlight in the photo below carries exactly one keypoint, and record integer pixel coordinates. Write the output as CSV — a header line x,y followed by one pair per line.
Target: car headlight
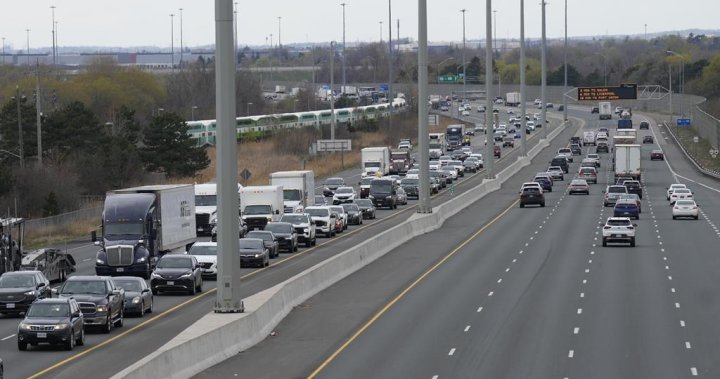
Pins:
x,y
155,276
101,308
186,275
24,326
258,255
388,197
61,326
136,300
99,261
141,260
29,293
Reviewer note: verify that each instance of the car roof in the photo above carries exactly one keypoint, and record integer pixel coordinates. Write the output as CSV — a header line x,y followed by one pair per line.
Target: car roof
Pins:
x,y
86,277
618,219
54,300
205,243
18,273
578,181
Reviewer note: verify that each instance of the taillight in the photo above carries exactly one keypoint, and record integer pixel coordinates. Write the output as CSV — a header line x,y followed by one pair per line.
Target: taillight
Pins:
x,y
607,227
630,227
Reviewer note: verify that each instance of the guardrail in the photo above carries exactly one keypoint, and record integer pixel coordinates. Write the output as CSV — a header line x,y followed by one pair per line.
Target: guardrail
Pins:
x,y
217,337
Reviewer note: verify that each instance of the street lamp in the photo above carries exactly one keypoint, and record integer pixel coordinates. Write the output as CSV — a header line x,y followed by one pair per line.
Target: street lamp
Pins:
x,y
343,61
682,77
192,112
172,45
380,32
463,57
440,64
28,46
181,37
279,39
604,66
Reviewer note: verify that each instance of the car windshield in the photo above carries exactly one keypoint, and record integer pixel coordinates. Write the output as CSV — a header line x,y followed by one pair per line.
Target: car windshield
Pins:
x,y
335,182
49,310
257,210
253,244
618,222
291,195
685,202
203,250
123,230
265,236
294,219
88,287
366,181
363,202
316,212
129,285
383,186
617,189
174,262
17,281
351,207
344,190
410,182
205,200
279,228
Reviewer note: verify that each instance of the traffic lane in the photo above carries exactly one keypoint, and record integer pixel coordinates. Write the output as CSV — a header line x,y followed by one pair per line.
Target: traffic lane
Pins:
x,y
137,345
312,329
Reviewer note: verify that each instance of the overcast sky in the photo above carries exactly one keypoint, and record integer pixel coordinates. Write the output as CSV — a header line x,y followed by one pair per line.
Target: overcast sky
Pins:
x,y
127,23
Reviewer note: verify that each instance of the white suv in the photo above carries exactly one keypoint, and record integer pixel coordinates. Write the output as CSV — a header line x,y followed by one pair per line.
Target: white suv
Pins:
x,y
673,187
323,218
619,229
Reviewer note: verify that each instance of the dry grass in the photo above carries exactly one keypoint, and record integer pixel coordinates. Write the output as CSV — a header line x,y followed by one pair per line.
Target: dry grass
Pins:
x,y
42,237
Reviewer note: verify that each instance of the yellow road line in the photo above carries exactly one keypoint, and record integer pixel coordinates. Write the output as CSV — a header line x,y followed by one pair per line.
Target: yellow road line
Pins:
x,y
402,294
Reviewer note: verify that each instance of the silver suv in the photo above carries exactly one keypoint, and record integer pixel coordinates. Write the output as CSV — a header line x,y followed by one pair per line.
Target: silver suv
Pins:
x,y
612,193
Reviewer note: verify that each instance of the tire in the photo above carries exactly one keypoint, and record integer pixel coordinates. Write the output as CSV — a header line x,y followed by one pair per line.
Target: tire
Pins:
x,y
295,249
543,205
22,346
70,344
146,275
674,217
308,243
314,240
154,291
150,309
632,242
81,340
119,323
199,288
108,324
522,205
193,290
604,243
697,217
267,263
142,309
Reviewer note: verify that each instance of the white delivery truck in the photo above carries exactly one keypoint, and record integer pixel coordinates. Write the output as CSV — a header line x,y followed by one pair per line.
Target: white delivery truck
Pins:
x,y
140,224
589,138
605,110
512,99
627,161
437,145
298,189
260,205
375,161
205,207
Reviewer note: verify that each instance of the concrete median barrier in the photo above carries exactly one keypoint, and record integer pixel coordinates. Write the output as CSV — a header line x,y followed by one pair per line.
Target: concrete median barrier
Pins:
x,y
216,337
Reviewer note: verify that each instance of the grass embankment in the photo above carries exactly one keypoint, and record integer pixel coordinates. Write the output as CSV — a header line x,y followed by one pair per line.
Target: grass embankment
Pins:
x,y
700,150
36,238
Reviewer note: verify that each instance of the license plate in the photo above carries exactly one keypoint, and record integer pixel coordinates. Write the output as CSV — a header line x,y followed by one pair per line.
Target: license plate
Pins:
x,y
120,269
199,229
617,235
10,305
42,335
170,283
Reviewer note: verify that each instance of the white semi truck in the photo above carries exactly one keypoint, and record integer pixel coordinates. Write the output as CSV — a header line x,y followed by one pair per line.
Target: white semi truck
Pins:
x,y
627,161
298,189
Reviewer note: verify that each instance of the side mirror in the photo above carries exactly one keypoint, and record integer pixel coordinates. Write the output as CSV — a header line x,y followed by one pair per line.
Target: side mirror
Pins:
x,y
145,290
635,225
93,236
40,285
116,292
54,291
76,314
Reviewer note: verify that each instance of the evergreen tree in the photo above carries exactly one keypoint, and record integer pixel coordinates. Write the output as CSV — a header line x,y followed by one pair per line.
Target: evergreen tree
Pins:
x,y
169,148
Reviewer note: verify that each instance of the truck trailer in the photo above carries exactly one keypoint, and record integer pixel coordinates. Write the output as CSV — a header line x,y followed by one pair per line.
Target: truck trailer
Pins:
x,y
298,189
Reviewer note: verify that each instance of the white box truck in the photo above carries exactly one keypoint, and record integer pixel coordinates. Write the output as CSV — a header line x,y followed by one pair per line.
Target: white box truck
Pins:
x,y
298,189
627,161
512,99
139,224
260,205
606,111
437,145
589,138
205,207
375,161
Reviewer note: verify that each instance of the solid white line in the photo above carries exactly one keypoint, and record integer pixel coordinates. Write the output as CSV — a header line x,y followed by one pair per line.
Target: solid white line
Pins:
x,y
579,311
452,351
682,323
8,337
687,345
479,310
576,330
571,353
693,371
467,328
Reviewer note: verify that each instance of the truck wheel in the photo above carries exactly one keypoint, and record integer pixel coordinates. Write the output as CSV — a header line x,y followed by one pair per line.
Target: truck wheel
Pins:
x,y
81,340
119,322
108,324
70,344
309,242
295,249
22,346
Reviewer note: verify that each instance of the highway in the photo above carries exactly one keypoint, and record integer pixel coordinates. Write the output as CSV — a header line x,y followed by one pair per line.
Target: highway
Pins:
x,y
104,355
504,292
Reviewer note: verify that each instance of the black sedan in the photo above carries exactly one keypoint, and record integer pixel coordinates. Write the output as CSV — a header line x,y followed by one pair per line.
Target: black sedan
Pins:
x,y
52,321
354,215
366,207
175,272
19,289
269,239
285,234
253,252
648,139
138,298
657,155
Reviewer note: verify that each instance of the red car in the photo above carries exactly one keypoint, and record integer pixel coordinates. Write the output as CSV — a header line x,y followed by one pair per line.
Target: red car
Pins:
x,y
496,151
657,154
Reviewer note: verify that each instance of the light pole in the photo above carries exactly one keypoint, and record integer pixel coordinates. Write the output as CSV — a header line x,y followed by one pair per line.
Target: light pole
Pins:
x,y
381,32
390,60
424,205
495,48
343,60
565,64
543,74
192,112
181,37
332,93
604,67
53,35
172,44
28,46
235,40
20,129
3,50
523,110
279,31
490,146
681,75
463,58
438,67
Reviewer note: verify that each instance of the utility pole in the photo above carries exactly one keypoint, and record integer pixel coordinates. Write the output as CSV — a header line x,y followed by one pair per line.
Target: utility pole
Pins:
x,y
343,60
28,47
38,112
463,58
490,147
172,42
279,32
424,205
565,111
3,50
235,40
181,37
227,298
332,93
523,100
20,130
53,36
381,32
543,74
390,95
